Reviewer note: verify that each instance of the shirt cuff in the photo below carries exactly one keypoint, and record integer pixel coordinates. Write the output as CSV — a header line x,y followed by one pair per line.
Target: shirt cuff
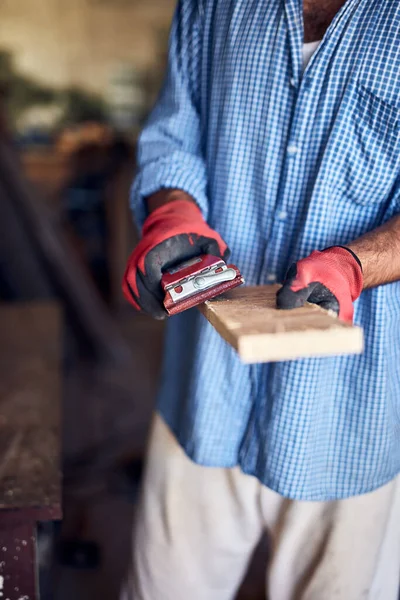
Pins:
x,y
181,171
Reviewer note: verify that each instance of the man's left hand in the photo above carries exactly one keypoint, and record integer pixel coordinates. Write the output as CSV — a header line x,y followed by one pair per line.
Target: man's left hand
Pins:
x,y
333,279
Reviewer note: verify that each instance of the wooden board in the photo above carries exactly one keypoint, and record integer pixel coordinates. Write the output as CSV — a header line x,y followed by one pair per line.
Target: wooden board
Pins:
x,y
247,318
30,397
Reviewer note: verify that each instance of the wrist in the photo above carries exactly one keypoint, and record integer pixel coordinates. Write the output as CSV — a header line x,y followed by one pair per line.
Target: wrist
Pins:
x,y
177,213
353,254
351,266
166,196
180,216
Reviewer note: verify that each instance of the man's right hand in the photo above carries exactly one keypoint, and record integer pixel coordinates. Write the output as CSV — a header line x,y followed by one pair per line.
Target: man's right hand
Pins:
x,y
173,233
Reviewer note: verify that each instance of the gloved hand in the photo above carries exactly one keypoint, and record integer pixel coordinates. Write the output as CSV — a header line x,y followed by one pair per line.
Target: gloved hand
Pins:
x,y
173,233
333,279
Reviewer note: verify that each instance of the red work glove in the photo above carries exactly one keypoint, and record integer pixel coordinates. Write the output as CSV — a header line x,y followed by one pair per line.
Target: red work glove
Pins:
x,y
333,279
173,233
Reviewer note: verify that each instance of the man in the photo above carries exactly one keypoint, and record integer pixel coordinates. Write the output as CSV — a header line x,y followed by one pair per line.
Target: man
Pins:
x,y
291,164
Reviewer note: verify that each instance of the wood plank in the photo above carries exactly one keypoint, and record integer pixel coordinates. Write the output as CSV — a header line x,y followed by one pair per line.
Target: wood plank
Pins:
x,y
247,318
30,398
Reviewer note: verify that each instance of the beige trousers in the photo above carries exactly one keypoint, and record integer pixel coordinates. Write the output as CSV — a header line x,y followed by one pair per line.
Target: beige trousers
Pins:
x,y
197,527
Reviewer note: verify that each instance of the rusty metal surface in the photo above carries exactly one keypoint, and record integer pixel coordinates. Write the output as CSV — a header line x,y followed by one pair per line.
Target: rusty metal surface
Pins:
x,y
18,565
30,405
18,579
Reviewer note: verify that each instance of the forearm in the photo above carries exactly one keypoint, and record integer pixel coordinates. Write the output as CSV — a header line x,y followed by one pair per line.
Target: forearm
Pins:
x,y
379,253
169,147
165,196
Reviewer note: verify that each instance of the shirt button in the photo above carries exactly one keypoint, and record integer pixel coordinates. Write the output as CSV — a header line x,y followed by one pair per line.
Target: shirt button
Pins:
x,y
292,82
271,277
282,215
292,149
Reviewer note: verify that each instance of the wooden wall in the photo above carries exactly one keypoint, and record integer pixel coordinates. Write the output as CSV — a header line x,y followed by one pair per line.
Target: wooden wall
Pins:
x,y
83,42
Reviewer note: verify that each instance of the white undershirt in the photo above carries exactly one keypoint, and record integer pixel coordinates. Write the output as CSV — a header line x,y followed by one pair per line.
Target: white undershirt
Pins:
x,y
308,51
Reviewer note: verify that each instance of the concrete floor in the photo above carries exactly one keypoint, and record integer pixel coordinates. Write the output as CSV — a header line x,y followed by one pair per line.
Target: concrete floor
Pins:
x,y
106,418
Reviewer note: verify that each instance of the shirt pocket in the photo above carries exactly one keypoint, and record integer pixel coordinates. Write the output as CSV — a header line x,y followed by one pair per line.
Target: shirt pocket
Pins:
x,y
371,164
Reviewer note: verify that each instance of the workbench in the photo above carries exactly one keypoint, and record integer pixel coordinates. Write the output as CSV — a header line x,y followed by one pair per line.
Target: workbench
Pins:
x,y
30,489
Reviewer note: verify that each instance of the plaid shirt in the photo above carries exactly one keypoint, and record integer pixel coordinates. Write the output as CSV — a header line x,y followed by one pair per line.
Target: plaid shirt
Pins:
x,y
282,163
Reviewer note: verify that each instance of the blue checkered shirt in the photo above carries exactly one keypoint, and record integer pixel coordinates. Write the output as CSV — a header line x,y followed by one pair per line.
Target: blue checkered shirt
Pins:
x,y
282,163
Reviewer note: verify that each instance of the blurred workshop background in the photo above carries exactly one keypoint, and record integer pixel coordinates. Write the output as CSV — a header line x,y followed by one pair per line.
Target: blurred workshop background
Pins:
x,y
78,367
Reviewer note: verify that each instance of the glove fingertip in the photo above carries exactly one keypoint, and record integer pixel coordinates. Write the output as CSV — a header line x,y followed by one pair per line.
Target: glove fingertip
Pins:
x,y
287,299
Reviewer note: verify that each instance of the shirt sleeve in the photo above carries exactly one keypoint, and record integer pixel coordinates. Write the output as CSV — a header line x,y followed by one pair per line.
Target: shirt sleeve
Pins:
x,y
169,147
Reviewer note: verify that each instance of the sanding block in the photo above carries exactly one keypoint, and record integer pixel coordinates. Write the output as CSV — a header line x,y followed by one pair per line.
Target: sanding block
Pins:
x,y
197,280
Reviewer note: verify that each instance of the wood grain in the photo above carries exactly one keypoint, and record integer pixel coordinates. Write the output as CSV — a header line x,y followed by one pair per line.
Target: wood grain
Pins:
x,y
247,318
30,397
